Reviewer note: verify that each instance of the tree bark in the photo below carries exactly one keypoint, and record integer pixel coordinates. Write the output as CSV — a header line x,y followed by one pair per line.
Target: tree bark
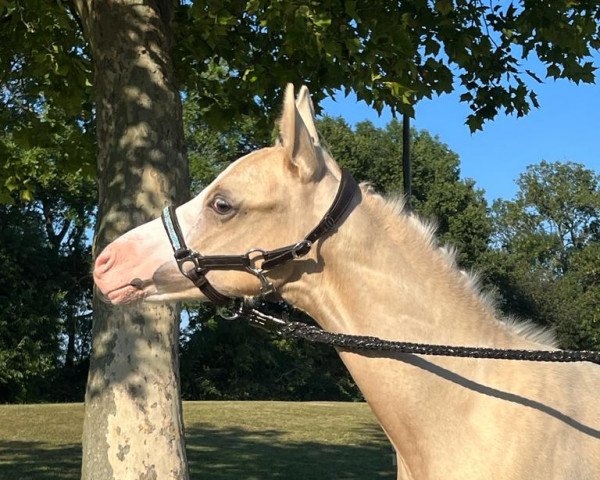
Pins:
x,y
133,427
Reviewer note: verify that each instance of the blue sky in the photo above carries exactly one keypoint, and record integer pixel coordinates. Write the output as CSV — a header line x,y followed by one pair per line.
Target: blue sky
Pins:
x,y
566,127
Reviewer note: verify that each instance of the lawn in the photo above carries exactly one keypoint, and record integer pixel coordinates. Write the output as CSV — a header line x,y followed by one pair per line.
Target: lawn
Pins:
x,y
225,440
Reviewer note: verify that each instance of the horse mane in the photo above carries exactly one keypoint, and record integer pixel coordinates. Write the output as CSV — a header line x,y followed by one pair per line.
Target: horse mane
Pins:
x,y
394,207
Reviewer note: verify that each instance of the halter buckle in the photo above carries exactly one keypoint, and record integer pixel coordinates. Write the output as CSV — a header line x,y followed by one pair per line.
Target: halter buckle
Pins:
x,y
297,250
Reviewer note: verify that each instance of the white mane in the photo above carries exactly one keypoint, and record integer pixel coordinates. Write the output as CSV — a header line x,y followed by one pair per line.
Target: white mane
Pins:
x,y
426,229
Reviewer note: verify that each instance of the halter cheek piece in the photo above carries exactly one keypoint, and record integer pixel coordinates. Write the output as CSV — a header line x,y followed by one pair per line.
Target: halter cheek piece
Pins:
x,y
195,266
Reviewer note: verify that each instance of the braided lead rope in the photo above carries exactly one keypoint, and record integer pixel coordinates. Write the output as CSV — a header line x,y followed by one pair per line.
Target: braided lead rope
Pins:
x,y
360,342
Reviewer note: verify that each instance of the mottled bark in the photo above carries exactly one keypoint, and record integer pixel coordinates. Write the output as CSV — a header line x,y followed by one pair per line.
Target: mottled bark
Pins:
x,y
133,424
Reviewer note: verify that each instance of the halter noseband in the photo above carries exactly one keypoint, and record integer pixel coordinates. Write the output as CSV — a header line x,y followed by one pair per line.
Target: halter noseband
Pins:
x,y
201,264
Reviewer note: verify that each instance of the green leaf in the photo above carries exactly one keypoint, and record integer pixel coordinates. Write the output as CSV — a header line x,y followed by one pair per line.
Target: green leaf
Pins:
x,y
534,100
350,8
444,6
474,122
553,71
26,195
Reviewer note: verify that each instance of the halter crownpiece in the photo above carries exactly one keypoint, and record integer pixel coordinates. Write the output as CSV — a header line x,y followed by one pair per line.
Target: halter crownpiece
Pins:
x,y
200,265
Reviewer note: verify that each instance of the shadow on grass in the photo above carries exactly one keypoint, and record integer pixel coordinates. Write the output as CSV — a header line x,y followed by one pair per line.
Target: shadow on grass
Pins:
x,y
227,453
20,460
236,453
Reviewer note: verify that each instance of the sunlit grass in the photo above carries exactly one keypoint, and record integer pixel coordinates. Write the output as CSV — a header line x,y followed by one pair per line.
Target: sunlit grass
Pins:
x,y
225,440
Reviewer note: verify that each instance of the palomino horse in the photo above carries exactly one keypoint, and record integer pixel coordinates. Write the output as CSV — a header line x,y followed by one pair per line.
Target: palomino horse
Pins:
x,y
380,273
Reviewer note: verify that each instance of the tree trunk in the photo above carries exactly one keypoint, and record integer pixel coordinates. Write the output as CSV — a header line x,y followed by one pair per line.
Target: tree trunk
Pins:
x,y
133,426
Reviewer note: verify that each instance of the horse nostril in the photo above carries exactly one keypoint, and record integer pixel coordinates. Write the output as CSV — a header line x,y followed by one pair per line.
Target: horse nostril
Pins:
x,y
104,262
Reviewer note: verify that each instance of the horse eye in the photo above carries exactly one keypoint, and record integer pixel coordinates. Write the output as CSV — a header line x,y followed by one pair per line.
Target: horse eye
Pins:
x,y
221,206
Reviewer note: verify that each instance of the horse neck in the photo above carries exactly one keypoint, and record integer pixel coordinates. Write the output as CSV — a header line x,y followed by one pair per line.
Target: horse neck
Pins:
x,y
383,275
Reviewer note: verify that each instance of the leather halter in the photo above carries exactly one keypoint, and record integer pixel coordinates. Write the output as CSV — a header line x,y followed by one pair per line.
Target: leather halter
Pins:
x,y
201,264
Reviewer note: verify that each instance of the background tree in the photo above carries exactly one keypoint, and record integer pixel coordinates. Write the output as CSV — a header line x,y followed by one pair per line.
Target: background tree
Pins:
x,y
547,248
210,150
46,291
29,333
46,102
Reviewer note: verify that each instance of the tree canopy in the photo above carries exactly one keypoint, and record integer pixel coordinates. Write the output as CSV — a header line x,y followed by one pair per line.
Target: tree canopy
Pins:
x,y
390,53
547,251
234,57
46,109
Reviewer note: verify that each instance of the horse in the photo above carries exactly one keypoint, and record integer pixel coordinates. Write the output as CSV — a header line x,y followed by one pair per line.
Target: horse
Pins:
x,y
377,272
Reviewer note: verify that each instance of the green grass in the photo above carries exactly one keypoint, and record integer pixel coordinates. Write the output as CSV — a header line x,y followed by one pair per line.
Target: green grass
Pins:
x,y
225,440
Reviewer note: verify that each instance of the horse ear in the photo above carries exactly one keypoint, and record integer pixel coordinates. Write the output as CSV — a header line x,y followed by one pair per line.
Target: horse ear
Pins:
x,y
296,140
305,106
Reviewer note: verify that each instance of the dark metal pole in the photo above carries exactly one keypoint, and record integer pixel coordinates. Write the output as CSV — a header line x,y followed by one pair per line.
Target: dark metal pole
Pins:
x,y
406,173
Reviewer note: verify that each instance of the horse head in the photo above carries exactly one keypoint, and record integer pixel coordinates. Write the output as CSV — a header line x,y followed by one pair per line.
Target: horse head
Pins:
x,y
264,200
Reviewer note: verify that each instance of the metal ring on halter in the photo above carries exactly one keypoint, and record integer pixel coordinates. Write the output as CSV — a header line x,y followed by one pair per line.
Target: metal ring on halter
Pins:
x,y
260,251
266,287
191,257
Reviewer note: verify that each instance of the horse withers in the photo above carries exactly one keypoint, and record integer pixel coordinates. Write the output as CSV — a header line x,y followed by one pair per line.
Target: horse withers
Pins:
x,y
378,273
